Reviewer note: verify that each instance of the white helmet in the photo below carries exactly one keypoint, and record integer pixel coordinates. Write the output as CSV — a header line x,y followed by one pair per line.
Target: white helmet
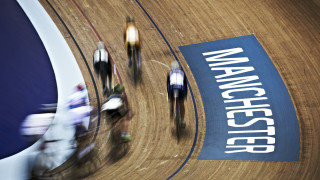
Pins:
x,y
175,65
100,45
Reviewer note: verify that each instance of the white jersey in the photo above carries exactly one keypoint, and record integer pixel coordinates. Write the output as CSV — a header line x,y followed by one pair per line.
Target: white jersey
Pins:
x,y
132,34
112,104
100,55
176,78
36,124
77,99
79,114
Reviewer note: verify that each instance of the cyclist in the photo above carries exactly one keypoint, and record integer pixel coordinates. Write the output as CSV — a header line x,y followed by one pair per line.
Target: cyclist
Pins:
x,y
79,98
115,108
102,66
35,125
131,36
79,110
177,80
43,162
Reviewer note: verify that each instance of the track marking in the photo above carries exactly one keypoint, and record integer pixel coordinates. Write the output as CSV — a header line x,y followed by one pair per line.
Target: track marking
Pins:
x,y
191,93
161,63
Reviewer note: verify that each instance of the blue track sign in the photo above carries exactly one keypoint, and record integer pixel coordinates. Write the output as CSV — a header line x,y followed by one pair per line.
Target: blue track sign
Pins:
x,y
249,113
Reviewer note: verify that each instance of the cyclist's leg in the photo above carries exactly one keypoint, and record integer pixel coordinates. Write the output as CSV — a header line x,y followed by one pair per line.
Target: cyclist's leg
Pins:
x,y
139,56
109,73
171,99
103,76
129,54
96,69
122,112
182,111
125,130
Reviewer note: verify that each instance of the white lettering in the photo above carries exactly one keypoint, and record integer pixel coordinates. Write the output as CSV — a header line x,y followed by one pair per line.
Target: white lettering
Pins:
x,y
230,83
223,53
248,112
251,149
247,103
232,123
230,71
251,140
238,82
270,130
226,94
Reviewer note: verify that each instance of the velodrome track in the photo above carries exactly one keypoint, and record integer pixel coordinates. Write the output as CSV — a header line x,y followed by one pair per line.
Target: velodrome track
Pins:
x,y
289,31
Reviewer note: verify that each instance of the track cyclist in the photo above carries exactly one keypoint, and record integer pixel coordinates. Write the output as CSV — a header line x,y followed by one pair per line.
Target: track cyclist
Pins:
x,y
177,79
131,36
102,66
115,108
79,110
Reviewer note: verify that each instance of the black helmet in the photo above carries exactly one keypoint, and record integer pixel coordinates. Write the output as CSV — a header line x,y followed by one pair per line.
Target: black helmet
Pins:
x,y
130,19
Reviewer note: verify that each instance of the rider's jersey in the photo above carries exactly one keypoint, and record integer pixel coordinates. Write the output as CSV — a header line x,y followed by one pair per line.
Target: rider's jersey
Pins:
x,y
36,124
177,80
77,99
100,55
132,35
113,102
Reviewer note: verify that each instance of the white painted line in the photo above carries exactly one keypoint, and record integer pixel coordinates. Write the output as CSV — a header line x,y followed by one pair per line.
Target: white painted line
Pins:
x,y
161,63
143,169
163,162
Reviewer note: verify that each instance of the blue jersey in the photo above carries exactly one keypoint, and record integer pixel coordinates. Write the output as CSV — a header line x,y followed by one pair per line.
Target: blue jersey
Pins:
x,y
177,80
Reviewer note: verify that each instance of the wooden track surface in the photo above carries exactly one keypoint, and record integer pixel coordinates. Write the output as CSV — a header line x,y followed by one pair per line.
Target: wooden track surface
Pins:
x,y
289,31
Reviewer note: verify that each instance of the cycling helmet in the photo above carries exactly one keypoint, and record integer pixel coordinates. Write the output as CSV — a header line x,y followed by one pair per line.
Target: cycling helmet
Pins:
x,y
80,87
118,88
130,19
100,45
175,65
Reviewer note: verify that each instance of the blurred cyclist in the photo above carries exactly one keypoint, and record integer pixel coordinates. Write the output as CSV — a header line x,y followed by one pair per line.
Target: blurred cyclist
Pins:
x,y
78,98
79,109
177,80
44,161
131,36
102,66
35,125
115,108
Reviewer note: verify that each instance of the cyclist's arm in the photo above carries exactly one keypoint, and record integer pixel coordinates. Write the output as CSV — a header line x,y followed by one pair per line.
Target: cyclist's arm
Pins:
x,y
168,82
125,33
139,39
